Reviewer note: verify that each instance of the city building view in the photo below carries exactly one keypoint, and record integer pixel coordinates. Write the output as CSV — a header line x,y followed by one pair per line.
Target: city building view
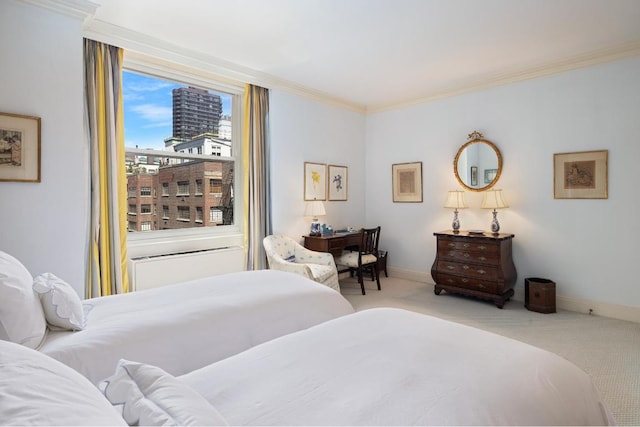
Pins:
x,y
165,192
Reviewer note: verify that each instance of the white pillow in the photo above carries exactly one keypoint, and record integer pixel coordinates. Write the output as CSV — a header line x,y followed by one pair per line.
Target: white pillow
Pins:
x,y
62,306
36,389
147,395
21,317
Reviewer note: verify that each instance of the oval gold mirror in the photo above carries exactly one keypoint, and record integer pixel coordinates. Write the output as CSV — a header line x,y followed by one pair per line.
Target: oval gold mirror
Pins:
x,y
478,163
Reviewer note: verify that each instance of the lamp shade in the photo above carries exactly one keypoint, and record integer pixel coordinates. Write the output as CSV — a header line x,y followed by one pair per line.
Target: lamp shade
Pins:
x,y
455,200
493,199
314,208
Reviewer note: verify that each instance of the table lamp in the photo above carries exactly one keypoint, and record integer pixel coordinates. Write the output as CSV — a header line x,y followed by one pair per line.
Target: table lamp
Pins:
x,y
314,209
455,200
493,199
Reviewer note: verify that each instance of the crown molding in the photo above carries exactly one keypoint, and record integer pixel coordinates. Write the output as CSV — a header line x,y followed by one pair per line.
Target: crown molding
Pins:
x,y
578,61
79,9
137,42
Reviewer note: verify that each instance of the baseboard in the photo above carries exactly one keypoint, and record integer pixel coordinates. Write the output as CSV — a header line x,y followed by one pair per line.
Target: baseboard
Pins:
x,y
580,305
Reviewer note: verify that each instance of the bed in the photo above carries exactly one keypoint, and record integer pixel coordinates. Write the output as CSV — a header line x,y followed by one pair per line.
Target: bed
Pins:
x,y
393,367
375,367
178,328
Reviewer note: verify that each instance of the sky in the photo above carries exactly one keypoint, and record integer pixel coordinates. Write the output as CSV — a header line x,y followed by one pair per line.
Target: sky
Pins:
x,y
148,110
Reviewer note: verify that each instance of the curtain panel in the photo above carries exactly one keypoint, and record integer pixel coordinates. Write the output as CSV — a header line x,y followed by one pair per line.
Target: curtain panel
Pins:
x,y
257,194
106,253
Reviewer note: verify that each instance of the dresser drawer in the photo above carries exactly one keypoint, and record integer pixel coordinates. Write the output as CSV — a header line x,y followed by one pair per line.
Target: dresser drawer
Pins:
x,y
468,256
468,283
484,272
489,248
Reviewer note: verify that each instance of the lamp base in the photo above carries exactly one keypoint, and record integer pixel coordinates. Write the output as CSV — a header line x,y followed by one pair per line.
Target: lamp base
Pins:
x,y
455,225
495,225
315,229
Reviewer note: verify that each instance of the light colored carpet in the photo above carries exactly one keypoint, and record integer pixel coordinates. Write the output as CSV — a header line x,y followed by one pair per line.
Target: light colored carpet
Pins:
x,y
607,349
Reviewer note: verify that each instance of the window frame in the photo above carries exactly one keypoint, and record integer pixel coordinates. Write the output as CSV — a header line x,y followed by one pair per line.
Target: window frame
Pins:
x,y
163,242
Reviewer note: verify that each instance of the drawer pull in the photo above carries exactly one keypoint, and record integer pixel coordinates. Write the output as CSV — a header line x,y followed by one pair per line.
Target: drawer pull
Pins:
x,y
450,280
465,267
482,272
482,258
482,247
466,245
452,245
464,280
451,267
466,255
480,286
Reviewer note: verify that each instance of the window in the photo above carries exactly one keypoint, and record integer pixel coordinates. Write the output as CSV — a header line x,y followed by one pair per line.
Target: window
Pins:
x,y
183,188
132,210
215,215
145,226
215,186
182,132
183,213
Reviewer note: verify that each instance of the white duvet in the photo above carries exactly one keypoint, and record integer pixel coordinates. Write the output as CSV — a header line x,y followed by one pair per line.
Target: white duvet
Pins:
x,y
186,326
394,367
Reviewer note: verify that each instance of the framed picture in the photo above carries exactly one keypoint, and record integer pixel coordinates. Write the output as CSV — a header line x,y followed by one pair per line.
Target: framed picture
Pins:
x,y
490,175
474,175
338,182
315,181
580,175
407,182
19,148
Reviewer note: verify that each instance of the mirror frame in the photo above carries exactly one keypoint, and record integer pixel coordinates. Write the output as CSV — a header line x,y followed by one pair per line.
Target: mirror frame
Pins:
x,y
478,140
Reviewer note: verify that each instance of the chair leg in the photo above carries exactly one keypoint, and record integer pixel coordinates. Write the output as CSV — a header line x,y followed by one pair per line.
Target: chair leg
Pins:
x,y
375,266
361,280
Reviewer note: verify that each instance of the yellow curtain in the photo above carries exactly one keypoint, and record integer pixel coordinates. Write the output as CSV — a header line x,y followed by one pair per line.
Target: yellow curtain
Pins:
x,y
257,194
107,246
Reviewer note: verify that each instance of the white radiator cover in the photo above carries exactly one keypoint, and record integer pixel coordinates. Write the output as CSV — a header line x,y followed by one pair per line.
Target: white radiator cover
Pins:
x,y
155,271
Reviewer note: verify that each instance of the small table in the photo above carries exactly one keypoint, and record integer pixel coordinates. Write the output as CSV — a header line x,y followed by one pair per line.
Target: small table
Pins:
x,y
332,243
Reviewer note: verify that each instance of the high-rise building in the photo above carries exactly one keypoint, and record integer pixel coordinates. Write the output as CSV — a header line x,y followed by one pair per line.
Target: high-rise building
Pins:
x,y
195,111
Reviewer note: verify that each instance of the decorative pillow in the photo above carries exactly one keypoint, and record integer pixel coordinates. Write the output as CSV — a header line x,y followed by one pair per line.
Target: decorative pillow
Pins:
x,y
292,258
36,389
62,305
21,317
147,395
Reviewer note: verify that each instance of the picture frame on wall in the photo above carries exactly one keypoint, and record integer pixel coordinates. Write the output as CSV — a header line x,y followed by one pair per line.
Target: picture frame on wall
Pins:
x,y
474,175
19,148
490,175
315,181
338,182
407,182
581,175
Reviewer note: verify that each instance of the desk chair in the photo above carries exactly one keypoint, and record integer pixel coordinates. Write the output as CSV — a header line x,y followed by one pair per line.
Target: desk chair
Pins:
x,y
284,253
365,257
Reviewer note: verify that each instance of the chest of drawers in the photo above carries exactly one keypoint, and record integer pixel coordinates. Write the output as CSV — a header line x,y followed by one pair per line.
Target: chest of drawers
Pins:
x,y
476,265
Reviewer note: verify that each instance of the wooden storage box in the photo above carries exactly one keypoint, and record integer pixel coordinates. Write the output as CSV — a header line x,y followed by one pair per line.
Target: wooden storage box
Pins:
x,y
540,295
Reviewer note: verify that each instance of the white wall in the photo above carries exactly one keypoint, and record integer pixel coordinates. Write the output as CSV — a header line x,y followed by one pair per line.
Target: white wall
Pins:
x,y
303,130
585,246
44,224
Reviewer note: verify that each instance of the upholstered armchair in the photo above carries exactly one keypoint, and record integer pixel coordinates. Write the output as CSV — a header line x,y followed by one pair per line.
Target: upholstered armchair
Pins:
x,y
284,253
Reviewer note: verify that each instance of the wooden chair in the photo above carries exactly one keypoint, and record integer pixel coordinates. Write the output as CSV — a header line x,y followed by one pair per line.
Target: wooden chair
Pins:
x,y
365,257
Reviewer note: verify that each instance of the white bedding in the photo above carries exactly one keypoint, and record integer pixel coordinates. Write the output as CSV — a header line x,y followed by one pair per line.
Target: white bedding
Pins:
x,y
183,327
394,367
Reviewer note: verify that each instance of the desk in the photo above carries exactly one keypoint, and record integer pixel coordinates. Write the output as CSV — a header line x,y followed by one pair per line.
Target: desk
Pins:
x,y
332,243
